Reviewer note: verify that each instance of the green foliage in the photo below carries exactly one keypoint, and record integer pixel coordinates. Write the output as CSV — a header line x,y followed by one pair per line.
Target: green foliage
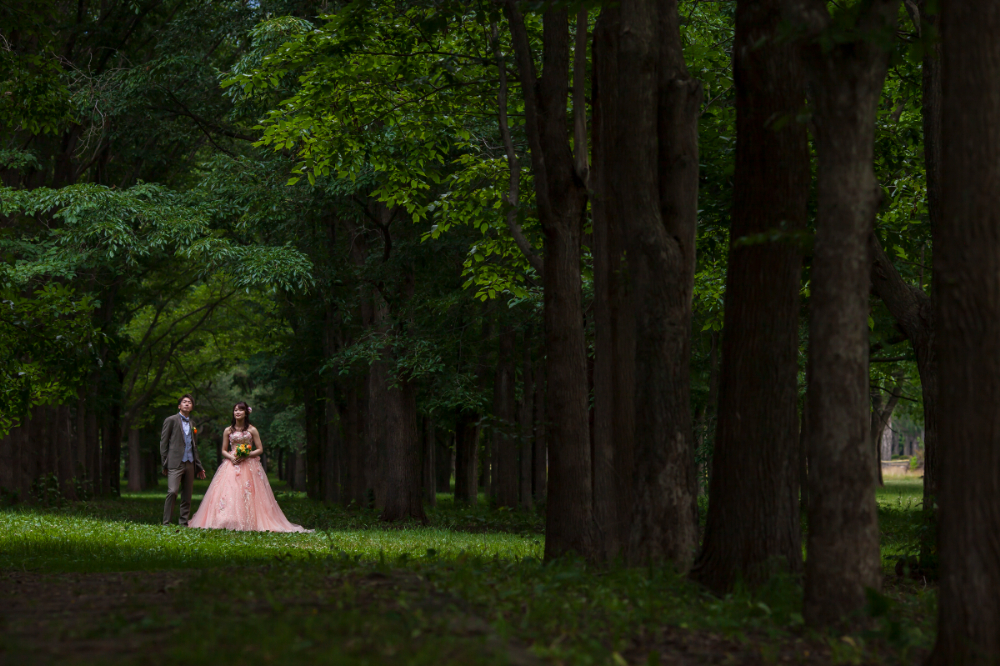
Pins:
x,y
47,338
425,592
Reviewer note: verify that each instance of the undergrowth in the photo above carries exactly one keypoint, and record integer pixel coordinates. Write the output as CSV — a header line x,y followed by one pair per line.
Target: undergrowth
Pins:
x,y
470,587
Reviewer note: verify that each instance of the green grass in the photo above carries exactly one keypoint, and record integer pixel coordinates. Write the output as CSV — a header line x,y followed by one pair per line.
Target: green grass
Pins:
x,y
469,588
899,506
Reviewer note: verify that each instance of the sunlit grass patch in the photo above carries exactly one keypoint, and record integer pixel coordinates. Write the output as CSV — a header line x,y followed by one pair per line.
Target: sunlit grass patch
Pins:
x,y
124,535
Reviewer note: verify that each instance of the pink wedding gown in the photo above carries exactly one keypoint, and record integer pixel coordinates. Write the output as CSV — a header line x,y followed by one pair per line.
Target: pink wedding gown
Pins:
x,y
240,498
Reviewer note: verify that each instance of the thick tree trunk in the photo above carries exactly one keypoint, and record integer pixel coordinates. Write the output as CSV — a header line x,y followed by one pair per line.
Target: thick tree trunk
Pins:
x,y
113,451
505,422
526,424
135,471
967,296
846,82
466,458
614,340
401,466
752,527
561,195
658,132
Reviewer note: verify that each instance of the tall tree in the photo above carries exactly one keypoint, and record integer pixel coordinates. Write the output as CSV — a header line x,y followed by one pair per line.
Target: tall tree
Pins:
x,y
753,514
614,341
846,56
504,427
659,105
561,195
967,291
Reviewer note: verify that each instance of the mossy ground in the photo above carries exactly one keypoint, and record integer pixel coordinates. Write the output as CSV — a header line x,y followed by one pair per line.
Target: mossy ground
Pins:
x,y
103,583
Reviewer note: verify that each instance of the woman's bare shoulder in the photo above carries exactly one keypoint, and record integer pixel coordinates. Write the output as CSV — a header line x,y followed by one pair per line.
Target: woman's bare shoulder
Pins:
x,y
226,431
253,430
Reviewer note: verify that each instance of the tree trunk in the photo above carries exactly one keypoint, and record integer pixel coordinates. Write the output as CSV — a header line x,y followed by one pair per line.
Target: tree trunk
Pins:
x,y
314,442
881,418
706,419
113,451
752,527
931,103
658,134
505,422
561,195
443,461
967,298
846,82
378,429
429,469
401,465
526,424
539,450
65,452
135,475
614,341
466,458
332,480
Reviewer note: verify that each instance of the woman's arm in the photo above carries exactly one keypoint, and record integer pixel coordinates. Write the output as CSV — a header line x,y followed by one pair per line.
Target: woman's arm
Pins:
x,y
258,448
225,445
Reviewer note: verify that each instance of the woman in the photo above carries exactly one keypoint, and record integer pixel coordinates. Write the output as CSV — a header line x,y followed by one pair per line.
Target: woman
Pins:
x,y
240,497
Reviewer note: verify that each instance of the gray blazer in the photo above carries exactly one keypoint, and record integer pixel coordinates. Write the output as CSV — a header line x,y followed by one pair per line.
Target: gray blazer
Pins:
x,y
172,443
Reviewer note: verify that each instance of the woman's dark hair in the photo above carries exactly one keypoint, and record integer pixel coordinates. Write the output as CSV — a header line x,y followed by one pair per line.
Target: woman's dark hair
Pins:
x,y
246,415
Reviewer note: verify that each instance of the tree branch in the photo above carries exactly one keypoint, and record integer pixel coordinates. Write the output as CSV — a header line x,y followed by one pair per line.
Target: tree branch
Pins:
x,y
909,306
513,165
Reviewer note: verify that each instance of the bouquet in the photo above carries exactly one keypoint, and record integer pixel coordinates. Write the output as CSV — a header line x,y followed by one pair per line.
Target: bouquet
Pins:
x,y
243,451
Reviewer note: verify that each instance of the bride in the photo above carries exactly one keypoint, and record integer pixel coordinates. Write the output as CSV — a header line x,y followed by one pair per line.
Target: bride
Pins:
x,y
240,497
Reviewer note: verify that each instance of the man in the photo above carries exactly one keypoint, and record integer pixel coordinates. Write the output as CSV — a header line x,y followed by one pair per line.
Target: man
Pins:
x,y
179,454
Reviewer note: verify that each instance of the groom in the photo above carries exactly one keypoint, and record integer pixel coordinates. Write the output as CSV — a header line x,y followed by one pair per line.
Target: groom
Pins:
x,y
179,453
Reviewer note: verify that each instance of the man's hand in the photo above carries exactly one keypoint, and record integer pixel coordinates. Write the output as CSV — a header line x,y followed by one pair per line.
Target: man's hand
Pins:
x,y
201,474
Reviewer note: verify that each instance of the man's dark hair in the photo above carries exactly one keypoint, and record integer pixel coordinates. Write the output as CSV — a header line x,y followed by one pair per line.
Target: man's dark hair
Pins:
x,y
186,395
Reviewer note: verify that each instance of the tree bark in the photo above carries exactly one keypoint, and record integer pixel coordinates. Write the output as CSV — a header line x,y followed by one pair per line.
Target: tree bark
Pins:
x,y
401,467
505,423
526,425
466,458
614,339
658,134
752,527
967,311
846,83
928,22
539,449
561,196
314,442
429,472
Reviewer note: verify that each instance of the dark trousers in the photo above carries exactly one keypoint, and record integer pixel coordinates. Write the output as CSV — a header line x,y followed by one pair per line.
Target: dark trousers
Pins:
x,y
177,478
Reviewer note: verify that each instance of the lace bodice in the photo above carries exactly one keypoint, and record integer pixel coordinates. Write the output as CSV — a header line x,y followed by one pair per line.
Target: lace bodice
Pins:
x,y
237,437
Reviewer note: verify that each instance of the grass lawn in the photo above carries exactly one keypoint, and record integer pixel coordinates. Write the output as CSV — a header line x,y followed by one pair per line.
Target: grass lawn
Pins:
x,y
104,583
